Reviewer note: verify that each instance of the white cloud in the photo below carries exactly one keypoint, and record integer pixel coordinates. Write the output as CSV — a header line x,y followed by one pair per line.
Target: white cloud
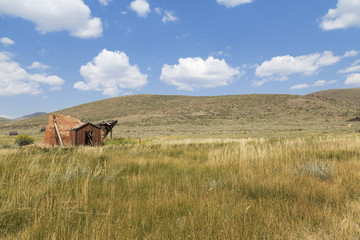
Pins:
x,y
353,79
38,65
351,69
195,73
354,68
54,15
351,53
141,7
300,86
233,3
315,84
158,11
15,80
7,41
345,15
258,83
183,36
111,73
319,83
104,2
282,66
169,16
220,53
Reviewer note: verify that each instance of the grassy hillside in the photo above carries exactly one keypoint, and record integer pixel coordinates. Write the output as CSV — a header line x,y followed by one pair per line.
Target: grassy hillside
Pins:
x,y
349,98
4,120
158,112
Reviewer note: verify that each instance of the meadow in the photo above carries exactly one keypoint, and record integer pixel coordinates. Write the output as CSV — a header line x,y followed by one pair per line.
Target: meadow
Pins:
x,y
303,187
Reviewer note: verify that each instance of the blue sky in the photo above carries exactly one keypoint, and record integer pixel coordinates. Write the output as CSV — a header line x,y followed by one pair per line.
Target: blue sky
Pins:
x,y
57,54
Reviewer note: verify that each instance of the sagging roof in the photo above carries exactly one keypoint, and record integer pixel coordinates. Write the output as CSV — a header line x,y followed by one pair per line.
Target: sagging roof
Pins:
x,y
85,124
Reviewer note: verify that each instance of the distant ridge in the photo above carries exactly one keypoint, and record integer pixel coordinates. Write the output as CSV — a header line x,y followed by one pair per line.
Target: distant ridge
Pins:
x,y
30,116
213,112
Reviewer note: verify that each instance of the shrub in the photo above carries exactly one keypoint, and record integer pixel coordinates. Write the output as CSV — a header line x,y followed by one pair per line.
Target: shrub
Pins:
x,y
320,170
23,140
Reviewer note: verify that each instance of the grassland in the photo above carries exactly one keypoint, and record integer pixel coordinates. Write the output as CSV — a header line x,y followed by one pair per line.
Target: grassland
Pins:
x,y
224,167
305,187
4,120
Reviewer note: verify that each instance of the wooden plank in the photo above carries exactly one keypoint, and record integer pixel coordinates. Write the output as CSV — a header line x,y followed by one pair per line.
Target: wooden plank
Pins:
x,y
57,131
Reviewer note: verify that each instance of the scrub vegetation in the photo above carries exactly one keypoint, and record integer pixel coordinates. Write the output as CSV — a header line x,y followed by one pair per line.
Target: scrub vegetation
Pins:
x,y
161,115
305,187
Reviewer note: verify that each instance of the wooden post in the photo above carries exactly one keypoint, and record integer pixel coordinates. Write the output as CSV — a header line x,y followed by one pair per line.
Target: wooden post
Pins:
x,y
140,140
57,131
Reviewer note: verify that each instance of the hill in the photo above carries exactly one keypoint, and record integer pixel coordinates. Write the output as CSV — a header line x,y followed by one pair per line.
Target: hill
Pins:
x,y
4,120
158,113
30,116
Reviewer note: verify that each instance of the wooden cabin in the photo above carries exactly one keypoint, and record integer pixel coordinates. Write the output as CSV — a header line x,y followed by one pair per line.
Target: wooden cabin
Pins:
x,y
86,134
13,133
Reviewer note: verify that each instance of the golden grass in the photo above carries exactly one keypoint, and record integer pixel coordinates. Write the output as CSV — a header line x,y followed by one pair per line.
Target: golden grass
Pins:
x,y
255,188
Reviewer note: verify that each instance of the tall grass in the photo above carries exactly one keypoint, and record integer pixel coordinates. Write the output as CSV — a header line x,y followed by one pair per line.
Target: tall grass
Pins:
x,y
300,188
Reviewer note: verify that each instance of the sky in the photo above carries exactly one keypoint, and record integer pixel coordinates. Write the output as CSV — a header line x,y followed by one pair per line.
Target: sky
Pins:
x,y
58,54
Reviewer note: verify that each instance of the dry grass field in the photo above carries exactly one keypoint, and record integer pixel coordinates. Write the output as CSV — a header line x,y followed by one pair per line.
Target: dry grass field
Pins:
x,y
225,167
304,187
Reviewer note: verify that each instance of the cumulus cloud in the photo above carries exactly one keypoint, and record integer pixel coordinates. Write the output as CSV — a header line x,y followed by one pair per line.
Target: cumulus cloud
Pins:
x,y
345,15
315,84
233,3
104,2
194,73
282,66
15,80
38,65
111,73
353,79
53,15
141,7
7,41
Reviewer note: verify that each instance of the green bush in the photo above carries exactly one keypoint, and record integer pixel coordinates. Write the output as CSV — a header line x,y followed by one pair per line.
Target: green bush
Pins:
x,y
23,140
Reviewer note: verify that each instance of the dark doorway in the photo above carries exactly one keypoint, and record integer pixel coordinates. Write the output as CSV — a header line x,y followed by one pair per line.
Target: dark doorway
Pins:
x,y
89,138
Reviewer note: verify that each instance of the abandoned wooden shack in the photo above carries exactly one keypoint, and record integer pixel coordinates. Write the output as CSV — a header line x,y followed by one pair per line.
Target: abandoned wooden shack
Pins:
x,y
13,133
64,130
87,134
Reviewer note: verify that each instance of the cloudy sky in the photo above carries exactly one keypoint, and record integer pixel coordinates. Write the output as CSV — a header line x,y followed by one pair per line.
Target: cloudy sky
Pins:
x,y
57,54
